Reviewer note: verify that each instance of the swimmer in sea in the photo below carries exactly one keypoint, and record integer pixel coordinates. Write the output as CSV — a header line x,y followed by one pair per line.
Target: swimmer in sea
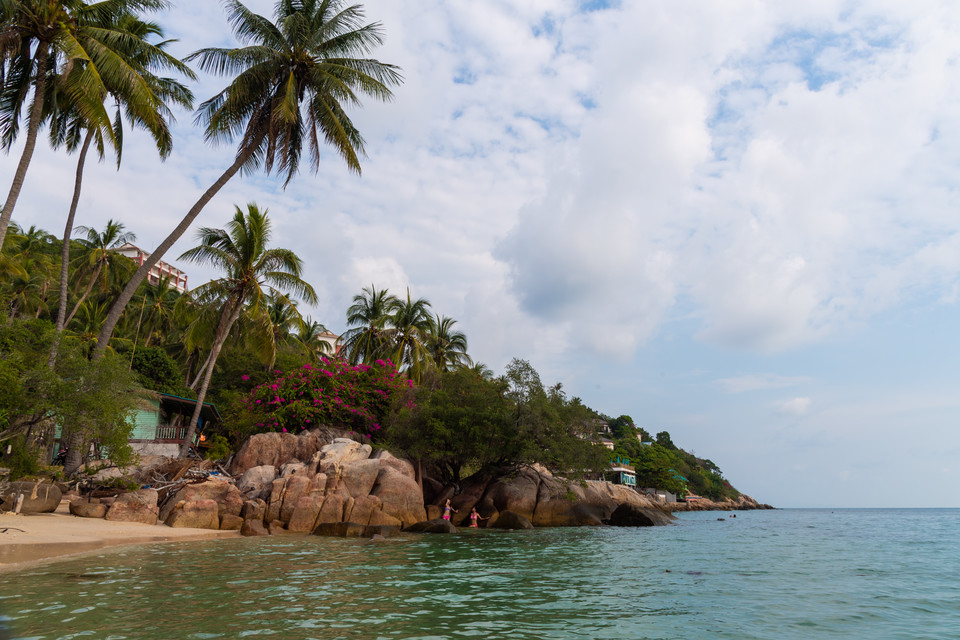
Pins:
x,y
447,509
474,517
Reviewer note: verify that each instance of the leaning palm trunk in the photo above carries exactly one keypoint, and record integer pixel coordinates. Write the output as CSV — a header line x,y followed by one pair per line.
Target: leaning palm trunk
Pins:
x,y
202,370
65,250
227,319
33,126
113,317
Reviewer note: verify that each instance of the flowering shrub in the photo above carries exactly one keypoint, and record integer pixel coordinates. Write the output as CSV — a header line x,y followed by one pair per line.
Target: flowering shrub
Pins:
x,y
356,397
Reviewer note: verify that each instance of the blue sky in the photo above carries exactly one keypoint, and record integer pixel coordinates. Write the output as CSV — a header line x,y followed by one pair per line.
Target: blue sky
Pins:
x,y
734,221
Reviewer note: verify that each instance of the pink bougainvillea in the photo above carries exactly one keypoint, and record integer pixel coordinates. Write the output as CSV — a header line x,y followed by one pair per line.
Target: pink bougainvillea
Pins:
x,y
355,397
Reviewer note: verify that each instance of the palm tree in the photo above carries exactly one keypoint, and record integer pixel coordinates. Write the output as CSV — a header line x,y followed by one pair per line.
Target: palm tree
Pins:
x,y
157,304
27,268
275,328
368,317
447,347
482,370
312,337
292,81
70,128
252,272
69,42
410,325
100,261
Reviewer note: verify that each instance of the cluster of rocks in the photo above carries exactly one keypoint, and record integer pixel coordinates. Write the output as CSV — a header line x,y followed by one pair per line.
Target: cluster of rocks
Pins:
x,y
285,489
537,497
743,502
276,490
318,483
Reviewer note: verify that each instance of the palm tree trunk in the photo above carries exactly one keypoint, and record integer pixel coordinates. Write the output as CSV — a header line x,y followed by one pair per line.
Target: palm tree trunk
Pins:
x,y
227,318
86,292
65,250
113,317
33,126
203,369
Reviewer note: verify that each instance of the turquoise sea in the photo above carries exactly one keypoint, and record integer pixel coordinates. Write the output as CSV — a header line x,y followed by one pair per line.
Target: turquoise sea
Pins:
x,y
804,573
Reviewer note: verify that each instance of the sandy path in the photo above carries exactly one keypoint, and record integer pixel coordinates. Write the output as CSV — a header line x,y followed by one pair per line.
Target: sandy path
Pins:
x,y
31,538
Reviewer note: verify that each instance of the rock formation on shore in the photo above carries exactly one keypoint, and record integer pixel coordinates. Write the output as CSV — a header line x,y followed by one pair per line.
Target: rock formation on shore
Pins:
x,y
542,498
317,482
742,503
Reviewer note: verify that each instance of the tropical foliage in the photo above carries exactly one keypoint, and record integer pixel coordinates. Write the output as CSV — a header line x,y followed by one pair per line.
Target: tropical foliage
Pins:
x,y
355,397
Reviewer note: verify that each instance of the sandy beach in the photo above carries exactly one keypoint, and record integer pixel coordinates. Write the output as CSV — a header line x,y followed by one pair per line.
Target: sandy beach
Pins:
x,y
28,539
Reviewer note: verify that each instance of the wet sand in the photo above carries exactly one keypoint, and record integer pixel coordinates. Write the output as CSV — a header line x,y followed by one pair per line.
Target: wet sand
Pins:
x,y
30,539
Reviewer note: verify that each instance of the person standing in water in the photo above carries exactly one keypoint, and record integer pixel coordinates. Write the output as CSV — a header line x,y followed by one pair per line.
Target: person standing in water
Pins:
x,y
447,509
474,517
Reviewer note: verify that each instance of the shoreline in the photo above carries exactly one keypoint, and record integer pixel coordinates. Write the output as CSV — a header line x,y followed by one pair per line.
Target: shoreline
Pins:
x,y
36,539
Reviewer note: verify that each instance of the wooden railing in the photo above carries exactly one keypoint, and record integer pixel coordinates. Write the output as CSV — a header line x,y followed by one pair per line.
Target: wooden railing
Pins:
x,y
166,432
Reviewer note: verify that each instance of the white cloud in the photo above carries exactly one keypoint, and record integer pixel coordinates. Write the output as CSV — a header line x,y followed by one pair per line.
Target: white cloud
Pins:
x,y
795,406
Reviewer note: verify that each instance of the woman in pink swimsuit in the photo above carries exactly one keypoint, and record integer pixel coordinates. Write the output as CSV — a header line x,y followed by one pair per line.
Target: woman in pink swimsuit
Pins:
x,y
447,509
474,517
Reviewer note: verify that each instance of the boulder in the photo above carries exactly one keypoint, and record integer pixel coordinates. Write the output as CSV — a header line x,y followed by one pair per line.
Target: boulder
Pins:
x,y
400,495
340,452
84,509
305,514
253,528
276,528
432,526
196,514
276,449
296,486
363,507
354,530
231,523
256,482
132,510
518,493
379,518
275,501
254,510
292,469
631,515
510,520
331,511
224,493
359,476
146,497
38,497
387,459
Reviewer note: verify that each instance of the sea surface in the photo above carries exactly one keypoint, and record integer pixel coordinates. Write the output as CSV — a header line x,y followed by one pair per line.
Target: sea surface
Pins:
x,y
804,573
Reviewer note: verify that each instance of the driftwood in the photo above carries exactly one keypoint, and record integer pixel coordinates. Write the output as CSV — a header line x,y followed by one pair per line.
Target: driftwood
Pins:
x,y
5,529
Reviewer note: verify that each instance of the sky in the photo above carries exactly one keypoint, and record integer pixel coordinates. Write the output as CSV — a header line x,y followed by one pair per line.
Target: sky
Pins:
x,y
734,221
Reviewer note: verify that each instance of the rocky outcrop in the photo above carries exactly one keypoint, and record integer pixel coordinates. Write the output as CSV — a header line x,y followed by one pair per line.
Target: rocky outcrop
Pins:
x,y
38,497
354,530
628,515
135,506
548,501
277,449
742,503
510,520
222,492
196,514
85,509
432,526
316,483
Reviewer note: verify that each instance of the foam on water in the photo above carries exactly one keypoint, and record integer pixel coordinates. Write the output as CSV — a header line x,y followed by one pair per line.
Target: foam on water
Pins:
x,y
787,574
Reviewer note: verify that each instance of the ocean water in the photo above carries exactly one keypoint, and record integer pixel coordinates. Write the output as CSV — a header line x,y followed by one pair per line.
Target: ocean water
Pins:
x,y
810,574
